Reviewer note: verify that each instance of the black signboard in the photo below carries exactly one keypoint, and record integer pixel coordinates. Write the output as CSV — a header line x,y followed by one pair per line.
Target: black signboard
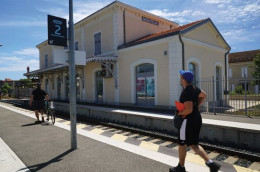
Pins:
x,y
57,31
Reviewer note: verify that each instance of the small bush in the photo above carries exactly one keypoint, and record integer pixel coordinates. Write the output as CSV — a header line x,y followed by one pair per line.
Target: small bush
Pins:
x,y
239,89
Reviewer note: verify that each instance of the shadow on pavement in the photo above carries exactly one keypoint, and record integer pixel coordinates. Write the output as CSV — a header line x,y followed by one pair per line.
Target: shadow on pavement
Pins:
x,y
38,167
30,124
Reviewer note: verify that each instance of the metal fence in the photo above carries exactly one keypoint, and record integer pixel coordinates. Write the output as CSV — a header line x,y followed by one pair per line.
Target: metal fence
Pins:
x,y
242,97
22,93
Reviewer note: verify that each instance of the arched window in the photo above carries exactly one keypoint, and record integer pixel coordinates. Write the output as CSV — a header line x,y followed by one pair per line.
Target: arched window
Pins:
x,y
99,86
194,69
78,88
218,83
58,88
47,86
145,91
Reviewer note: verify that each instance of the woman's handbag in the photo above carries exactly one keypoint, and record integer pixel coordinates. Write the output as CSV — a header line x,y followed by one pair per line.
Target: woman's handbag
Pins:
x,y
177,121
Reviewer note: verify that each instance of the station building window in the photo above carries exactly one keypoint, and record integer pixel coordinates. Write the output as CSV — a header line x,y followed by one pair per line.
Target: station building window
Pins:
x,y
99,86
78,88
145,91
46,60
97,39
47,86
58,88
194,69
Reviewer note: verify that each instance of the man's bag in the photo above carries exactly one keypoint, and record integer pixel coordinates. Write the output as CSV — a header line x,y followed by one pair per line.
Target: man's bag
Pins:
x,y
177,121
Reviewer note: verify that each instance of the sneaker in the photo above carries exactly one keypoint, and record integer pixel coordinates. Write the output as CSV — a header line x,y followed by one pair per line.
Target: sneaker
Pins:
x,y
214,167
45,123
178,168
38,122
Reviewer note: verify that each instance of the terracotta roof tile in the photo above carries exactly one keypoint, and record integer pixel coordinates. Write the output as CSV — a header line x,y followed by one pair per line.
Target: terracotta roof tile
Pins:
x,y
8,80
242,56
155,36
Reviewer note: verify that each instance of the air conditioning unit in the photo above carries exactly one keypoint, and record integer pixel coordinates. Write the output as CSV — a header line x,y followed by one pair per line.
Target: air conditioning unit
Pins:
x,y
106,72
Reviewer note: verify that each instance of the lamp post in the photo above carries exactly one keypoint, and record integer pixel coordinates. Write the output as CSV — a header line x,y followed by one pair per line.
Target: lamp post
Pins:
x,y
1,45
73,111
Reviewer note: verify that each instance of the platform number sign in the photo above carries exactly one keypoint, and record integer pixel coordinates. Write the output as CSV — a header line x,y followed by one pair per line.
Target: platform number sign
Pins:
x,y
57,31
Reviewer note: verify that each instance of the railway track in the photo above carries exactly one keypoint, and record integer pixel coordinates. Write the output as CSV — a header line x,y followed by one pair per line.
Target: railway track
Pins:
x,y
217,149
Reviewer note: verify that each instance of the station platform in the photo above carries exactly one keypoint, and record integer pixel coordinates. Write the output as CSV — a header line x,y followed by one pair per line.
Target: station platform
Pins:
x,y
47,148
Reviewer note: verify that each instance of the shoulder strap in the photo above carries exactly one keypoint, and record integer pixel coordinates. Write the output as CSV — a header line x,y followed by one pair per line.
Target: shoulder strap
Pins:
x,y
195,102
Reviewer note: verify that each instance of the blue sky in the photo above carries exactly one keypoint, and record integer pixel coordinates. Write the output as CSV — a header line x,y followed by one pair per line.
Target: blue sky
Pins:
x,y
23,24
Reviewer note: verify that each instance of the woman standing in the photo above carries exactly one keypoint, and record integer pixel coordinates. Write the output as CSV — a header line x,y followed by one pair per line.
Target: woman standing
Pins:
x,y
188,134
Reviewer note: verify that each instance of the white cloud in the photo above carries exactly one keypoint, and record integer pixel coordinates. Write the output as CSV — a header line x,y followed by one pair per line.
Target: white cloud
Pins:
x,y
216,1
236,13
17,64
33,52
234,32
23,23
81,10
221,5
179,17
240,35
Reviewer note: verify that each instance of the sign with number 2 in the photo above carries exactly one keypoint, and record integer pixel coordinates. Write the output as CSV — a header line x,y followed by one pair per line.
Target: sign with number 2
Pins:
x,y
57,31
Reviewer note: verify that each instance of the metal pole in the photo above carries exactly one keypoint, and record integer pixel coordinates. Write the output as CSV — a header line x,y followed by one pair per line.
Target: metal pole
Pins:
x,y
214,103
72,80
245,76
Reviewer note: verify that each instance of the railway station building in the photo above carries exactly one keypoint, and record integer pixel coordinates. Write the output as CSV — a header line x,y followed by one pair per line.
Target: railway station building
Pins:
x,y
127,56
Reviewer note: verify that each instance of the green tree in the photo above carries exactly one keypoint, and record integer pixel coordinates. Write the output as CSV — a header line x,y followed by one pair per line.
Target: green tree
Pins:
x,y
6,88
256,66
26,83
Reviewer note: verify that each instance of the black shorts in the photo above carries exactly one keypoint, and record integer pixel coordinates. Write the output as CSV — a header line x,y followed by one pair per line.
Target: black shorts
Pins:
x,y
38,105
190,131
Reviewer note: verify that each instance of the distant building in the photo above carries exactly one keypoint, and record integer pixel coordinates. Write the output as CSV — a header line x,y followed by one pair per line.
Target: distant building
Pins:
x,y
239,71
7,80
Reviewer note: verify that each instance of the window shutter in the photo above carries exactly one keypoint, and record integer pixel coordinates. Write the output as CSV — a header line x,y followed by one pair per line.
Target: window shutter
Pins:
x,y
97,38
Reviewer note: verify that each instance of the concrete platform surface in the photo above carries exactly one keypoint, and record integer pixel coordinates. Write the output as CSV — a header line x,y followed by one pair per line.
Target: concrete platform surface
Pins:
x,y
47,148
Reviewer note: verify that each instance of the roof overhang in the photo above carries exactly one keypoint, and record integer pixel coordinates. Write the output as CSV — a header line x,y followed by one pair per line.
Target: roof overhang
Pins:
x,y
101,59
45,70
174,33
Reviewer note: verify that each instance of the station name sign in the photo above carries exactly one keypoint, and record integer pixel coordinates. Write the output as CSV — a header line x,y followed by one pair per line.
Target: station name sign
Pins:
x,y
57,31
150,21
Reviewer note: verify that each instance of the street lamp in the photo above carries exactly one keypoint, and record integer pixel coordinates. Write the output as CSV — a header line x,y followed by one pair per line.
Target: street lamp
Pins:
x,y
1,45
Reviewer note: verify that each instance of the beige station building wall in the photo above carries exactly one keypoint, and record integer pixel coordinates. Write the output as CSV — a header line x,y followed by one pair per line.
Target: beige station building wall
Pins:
x,y
129,59
119,24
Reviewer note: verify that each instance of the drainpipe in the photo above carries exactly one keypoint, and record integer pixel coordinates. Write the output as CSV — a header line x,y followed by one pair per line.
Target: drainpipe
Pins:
x,y
124,26
226,77
182,48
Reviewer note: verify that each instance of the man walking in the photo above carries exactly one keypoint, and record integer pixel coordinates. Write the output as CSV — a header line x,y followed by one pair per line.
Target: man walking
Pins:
x,y
37,101
188,135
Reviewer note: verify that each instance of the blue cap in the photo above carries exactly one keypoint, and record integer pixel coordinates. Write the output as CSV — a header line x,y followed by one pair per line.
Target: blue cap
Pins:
x,y
187,75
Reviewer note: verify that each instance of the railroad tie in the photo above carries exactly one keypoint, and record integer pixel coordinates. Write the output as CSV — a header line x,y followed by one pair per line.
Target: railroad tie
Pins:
x,y
134,135
143,138
255,166
166,143
126,133
231,159
154,140
176,148
213,155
